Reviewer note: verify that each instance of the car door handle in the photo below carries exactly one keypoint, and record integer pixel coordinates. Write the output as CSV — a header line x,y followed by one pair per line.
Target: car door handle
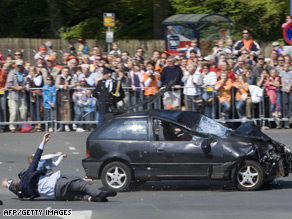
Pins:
x,y
159,150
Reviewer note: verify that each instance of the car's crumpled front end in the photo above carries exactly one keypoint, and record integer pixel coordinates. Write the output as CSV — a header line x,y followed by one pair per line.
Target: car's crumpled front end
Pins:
x,y
273,155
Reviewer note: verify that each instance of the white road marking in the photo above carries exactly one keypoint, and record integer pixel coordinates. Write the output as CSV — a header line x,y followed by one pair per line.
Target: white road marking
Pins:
x,y
72,148
79,215
75,153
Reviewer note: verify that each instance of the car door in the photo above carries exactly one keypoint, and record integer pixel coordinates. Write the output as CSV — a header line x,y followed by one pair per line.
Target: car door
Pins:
x,y
126,139
174,152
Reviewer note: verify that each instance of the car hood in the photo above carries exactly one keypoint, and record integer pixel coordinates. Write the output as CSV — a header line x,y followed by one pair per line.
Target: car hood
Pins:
x,y
249,130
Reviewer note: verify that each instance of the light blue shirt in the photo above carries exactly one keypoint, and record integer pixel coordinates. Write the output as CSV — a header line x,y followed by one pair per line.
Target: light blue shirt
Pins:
x,y
46,185
90,80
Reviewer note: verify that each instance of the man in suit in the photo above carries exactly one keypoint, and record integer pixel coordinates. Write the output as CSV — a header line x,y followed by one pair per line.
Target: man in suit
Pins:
x,y
108,91
34,183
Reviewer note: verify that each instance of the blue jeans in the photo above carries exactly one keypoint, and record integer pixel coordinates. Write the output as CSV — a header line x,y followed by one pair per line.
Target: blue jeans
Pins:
x,y
89,116
2,109
225,107
287,99
240,106
279,103
78,114
210,108
50,115
136,97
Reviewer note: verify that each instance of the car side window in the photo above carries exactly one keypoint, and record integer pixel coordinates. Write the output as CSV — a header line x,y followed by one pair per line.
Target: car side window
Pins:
x,y
165,131
125,129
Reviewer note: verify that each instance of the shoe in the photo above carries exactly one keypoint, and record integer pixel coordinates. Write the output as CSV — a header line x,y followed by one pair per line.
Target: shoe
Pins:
x,y
244,119
103,195
80,130
265,128
74,127
279,115
67,129
95,199
274,115
51,129
279,126
12,131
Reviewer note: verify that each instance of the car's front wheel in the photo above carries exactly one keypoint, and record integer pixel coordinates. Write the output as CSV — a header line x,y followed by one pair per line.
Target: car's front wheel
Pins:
x,y
249,176
116,176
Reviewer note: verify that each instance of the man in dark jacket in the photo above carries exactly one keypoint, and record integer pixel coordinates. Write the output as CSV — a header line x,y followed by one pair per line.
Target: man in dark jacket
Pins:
x,y
108,92
172,99
35,183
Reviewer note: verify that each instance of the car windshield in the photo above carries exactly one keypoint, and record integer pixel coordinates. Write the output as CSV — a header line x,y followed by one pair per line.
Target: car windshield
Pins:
x,y
207,125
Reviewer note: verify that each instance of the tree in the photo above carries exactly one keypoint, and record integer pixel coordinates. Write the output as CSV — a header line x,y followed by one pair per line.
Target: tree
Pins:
x,y
262,17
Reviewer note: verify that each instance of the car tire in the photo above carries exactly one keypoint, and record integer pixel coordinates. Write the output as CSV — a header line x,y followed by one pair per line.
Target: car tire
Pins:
x,y
249,176
116,176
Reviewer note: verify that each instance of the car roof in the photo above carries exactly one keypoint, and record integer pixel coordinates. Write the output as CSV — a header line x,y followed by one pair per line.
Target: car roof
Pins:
x,y
186,118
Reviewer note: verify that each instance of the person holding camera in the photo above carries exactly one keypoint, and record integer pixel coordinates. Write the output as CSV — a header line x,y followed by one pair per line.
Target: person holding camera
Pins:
x,y
152,81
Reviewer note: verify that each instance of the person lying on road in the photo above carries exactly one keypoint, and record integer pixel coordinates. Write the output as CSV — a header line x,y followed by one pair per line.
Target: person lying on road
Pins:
x,y
35,183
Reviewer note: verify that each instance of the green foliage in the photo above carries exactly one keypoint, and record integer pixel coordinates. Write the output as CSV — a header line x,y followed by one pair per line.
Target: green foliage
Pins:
x,y
89,28
134,18
262,17
24,18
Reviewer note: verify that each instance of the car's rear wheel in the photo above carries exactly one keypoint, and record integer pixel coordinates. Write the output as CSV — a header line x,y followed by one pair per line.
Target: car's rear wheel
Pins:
x,y
249,176
116,176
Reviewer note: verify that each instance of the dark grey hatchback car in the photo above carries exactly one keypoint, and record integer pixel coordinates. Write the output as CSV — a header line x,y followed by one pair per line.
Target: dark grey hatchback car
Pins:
x,y
169,145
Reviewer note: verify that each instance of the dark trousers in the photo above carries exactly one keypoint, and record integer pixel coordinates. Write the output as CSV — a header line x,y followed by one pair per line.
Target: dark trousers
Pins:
x,y
75,189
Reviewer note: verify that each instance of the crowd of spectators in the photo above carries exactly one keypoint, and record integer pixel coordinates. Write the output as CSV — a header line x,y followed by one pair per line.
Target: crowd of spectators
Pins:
x,y
233,81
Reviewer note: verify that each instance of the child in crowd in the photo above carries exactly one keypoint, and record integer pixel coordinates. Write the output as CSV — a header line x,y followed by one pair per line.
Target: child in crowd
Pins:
x,y
49,101
229,44
194,46
272,87
241,96
79,97
89,109
115,49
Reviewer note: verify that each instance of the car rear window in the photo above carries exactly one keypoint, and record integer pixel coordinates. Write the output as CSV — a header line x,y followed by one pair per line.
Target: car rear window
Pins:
x,y
125,129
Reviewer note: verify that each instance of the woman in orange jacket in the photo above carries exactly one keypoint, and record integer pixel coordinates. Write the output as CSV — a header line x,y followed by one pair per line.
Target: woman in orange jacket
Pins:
x,y
241,95
223,88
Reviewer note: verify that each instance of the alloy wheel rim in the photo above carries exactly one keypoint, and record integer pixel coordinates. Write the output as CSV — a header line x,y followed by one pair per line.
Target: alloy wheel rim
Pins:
x,y
248,176
116,177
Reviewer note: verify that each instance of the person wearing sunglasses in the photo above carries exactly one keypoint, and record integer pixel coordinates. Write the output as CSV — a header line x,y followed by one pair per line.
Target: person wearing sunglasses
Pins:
x,y
17,55
248,43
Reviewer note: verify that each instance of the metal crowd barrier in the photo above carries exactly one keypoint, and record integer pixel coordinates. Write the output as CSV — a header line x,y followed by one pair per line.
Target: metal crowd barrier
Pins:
x,y
35,112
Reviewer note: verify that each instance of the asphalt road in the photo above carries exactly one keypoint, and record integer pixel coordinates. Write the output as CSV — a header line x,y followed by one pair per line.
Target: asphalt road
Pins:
x,y
157,200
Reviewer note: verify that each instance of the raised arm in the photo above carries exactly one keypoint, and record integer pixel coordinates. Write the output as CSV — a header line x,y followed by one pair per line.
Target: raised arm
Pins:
x,y
32,167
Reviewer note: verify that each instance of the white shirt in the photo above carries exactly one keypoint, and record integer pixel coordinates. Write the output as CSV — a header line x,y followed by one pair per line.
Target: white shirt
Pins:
x,y
109,85
189,87
210,79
